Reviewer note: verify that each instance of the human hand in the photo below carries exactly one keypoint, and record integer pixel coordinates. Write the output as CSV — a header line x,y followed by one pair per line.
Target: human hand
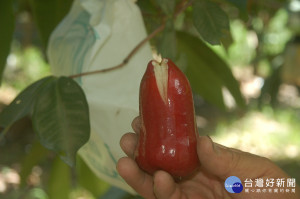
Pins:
x,y
217,164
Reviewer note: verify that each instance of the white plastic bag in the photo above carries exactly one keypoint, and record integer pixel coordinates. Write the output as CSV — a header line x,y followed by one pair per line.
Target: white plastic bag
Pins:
x,y
98,34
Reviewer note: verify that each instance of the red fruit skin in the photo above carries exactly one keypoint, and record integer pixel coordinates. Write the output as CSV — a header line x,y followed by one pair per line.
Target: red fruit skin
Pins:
x,y
168,131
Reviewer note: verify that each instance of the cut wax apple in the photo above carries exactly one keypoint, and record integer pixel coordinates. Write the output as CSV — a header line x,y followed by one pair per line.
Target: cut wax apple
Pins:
x,y
167,139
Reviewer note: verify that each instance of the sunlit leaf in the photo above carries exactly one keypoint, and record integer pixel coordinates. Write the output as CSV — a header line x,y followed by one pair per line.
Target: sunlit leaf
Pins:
x,y
6,29
88,180
59,184
61,118
210,21
36,154
207,72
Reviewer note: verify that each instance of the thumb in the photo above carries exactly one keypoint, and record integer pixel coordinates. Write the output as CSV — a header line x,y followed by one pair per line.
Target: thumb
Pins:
x,y
224,162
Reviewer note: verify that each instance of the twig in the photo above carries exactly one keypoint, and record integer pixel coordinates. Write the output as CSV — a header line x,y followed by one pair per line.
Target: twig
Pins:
x,y
126,60
183,6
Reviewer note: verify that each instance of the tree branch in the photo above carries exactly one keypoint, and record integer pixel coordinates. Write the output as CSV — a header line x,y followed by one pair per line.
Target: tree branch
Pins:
x,y
128,57
183,6
135,49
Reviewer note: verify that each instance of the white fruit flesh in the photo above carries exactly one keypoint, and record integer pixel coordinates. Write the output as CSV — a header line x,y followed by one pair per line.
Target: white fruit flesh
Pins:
x,y
161,76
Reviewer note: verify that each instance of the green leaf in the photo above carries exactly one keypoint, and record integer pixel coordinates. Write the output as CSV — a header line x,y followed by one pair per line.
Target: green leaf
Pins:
x,y
6,28
210,21
241,4
167,44
47,15
36,154
271,86
202,78
147,7
22,105
167,6
88,180
59,184
207,72
61,118
226,40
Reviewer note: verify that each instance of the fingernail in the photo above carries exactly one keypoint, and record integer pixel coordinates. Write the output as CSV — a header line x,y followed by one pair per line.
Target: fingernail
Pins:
x,y
212,142
209,137
215,148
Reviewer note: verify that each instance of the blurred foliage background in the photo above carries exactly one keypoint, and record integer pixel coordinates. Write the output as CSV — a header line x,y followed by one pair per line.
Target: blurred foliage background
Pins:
x,y
262,50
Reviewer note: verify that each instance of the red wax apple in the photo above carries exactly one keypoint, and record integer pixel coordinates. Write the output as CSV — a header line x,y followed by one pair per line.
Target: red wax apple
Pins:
x,y
168,131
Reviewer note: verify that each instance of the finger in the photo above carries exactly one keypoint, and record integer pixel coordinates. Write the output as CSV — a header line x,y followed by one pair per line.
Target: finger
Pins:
x,y
224,162
128,143
136,124
165,186
141,182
